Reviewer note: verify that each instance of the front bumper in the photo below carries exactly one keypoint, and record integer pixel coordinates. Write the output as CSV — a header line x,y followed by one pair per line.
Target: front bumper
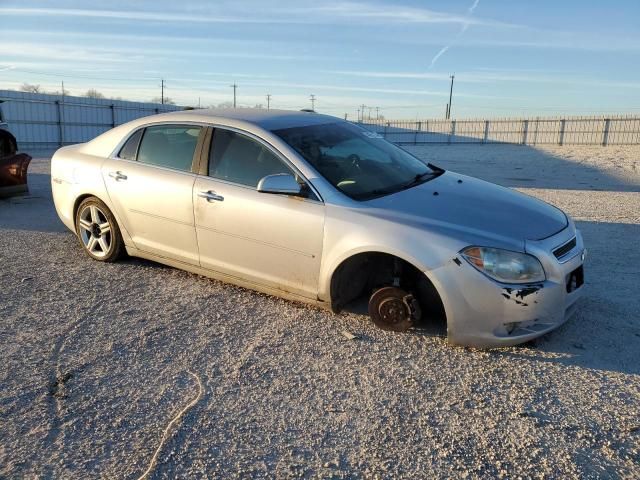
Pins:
x,y
484,313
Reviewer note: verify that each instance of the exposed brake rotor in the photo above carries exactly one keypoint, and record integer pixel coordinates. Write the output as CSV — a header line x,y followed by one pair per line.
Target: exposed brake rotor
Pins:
x,y
391,308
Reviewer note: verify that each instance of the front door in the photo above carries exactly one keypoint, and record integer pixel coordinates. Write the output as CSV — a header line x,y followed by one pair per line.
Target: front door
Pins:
x,y
268,239
151,188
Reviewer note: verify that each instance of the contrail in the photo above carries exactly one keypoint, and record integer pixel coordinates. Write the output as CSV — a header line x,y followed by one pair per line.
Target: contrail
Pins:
x,y
460,33
469,13
438,55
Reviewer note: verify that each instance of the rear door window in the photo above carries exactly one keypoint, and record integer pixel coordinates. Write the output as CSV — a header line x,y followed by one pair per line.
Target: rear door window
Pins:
x,y
169,146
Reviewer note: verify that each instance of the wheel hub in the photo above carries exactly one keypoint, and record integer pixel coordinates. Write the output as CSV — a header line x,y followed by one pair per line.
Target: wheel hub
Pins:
x,y
393,310
95,230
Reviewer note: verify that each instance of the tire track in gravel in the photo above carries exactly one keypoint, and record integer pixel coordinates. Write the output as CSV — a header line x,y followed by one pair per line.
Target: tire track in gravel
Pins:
x,y
175,420
232,361
57,379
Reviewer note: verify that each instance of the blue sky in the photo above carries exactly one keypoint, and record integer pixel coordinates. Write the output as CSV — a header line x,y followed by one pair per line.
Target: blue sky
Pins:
x,y
510,58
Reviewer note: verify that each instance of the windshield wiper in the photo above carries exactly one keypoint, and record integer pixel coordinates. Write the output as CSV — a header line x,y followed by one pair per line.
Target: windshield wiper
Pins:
x,y
417,180
436,169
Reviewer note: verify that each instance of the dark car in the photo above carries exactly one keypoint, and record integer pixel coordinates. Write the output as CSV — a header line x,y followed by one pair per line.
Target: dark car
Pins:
x,y
13,165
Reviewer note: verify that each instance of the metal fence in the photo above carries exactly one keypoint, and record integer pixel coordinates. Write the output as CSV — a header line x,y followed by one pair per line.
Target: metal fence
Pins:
x,y
45,122
611,130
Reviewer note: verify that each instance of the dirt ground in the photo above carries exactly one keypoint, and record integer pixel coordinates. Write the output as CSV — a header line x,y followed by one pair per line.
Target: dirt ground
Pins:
x,y
96,360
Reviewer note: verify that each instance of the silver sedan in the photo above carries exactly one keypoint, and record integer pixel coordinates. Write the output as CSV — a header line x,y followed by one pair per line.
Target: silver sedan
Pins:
x,y
313,208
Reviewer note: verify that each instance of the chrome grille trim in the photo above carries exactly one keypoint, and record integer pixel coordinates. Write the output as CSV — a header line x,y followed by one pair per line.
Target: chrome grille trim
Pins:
x,y
564,249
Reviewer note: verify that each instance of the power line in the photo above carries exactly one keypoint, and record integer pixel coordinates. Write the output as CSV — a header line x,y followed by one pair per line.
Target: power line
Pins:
x,y
83,76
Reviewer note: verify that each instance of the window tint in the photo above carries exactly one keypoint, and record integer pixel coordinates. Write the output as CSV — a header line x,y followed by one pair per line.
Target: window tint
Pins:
x,y
129,149
239,159
169,146
359,163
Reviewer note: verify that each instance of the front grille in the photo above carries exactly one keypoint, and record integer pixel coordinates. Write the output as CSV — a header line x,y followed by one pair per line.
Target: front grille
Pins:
x,y
562,250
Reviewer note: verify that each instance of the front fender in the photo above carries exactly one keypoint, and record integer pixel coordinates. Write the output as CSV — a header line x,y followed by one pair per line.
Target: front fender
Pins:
x,y
347,234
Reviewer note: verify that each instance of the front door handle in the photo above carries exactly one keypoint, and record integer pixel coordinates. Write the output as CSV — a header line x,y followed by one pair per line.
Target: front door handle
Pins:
x,y
118,176
211,196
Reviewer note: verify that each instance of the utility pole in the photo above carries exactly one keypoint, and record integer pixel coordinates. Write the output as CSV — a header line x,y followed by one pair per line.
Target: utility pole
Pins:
x,y
234,86
377,113
446,112
61,113
313,102
198,102
268,101
345,116
362,107
450,97
162,91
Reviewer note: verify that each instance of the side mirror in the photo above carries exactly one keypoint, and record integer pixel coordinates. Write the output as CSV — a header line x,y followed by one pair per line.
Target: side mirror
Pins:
x,y
282,183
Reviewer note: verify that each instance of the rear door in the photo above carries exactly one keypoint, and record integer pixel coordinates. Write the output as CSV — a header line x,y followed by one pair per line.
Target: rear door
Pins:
x,y
150,184
269,239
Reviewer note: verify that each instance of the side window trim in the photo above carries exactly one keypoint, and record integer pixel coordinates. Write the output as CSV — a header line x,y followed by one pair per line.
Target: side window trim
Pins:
x,y
203,169
202,164
129,137
200,146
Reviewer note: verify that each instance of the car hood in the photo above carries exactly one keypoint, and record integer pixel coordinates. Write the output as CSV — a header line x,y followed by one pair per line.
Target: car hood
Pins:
x,y
467,203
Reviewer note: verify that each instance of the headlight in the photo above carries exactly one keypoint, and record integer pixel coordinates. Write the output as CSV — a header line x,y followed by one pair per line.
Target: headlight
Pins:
x,y
505,266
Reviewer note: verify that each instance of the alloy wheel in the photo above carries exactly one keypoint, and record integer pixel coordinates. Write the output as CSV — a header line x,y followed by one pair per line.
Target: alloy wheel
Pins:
x,y
95,231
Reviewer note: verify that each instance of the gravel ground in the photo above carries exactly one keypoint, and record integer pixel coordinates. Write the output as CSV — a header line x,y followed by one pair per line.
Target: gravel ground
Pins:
x,y
98,359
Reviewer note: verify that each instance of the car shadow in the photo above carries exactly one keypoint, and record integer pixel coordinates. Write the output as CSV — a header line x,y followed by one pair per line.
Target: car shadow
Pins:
x,y
604,334
427,326
521,166
33,210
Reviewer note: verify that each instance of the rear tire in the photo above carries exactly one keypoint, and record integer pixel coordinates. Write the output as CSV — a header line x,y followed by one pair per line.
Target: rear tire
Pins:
x,y
98,231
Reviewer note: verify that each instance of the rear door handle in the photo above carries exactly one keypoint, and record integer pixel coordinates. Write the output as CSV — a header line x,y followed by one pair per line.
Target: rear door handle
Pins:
x,y
118,176
211,196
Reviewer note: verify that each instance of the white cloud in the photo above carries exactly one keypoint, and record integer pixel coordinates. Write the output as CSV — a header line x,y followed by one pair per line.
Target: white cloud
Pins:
x,y
168,17
250,12
487,75
403,14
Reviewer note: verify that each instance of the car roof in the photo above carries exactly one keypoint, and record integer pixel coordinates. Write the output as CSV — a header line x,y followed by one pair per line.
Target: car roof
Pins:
x,y
267,119
244,118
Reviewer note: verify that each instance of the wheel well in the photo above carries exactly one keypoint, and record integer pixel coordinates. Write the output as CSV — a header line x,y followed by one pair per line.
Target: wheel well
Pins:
x,y
77,203
361,274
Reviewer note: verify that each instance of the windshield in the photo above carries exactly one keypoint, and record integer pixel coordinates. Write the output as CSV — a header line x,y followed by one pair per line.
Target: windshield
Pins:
x,y
356,161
